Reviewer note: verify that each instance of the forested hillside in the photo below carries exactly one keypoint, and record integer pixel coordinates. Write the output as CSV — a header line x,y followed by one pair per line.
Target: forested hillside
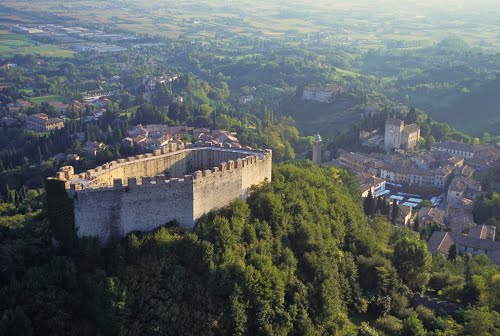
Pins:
x,y
460,105
299,258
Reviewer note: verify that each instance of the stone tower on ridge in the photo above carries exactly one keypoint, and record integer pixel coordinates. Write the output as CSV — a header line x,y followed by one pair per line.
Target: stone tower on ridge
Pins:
x,y
317,149
398,135
393,131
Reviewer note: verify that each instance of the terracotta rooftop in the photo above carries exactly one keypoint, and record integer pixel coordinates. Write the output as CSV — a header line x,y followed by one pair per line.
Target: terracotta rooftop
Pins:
x,y
434,214
482,232
411,128
453,145
441,241
406,210
394,121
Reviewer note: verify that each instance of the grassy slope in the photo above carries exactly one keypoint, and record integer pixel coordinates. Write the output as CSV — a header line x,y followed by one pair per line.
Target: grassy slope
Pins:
x,y
326,119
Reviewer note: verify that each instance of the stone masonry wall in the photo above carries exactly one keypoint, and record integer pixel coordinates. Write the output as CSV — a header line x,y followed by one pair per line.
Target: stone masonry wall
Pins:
x,y
145,192
142,206
219,186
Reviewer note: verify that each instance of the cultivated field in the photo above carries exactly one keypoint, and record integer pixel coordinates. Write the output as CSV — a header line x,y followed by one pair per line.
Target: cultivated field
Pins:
x,y
12,44
372,24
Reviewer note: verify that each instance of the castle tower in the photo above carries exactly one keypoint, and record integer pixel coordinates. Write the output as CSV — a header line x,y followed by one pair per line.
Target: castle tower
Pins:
x,y
317,149
393,133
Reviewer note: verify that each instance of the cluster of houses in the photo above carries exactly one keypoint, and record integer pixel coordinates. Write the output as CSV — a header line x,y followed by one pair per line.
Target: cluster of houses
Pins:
x,y
404,169
97,104
18,106
8,66
147,138
479,239
205,137
89,149
449,169
437,171
150,83
152,137
325,94
441,173
246,99
40,122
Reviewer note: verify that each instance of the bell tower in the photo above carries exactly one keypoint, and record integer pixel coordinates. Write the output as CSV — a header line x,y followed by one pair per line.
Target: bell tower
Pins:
x,y
317,149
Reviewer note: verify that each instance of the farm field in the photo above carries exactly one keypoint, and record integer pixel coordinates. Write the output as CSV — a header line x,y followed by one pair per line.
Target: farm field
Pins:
x,y
12,44
46,99
372,24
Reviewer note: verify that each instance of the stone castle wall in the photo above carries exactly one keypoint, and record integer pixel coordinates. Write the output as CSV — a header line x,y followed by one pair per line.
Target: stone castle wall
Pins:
x,y
220,185
145,192
117,211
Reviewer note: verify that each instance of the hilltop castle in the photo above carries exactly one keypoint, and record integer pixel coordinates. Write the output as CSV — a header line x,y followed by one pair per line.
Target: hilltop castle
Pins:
x,y
144,192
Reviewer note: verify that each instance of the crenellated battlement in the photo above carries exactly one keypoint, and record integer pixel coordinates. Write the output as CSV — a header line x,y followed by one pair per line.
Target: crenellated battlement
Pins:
x,y
227,167
146,191
93,179
131,183
67,173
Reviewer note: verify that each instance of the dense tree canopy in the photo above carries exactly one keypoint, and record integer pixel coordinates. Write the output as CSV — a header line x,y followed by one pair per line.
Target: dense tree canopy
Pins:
x,y
299,257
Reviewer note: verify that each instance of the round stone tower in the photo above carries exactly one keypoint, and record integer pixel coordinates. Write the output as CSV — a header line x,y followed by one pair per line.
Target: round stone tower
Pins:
x,y
317,149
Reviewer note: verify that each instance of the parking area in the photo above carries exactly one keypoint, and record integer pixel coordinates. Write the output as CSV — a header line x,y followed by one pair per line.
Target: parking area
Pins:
x,y
393,192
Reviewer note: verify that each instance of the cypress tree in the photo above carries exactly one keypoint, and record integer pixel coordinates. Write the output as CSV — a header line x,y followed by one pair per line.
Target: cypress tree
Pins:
x,y
23,193
452,252
387,207
116,153
39,155
60,214
47,151
471,294
109,135
380,206
372,203
395,210
369,204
